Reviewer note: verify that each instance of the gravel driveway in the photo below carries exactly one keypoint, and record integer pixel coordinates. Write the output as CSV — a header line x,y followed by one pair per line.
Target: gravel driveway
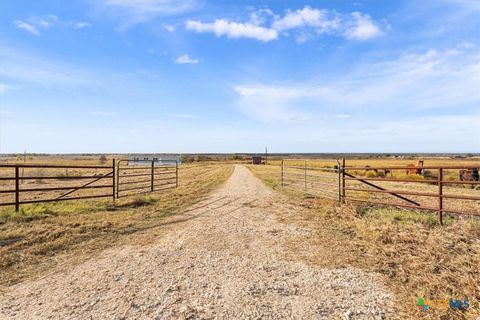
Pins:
x,y
223,258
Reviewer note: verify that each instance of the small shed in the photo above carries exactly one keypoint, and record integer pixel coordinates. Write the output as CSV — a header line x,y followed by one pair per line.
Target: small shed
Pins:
x,y
256,159
158,159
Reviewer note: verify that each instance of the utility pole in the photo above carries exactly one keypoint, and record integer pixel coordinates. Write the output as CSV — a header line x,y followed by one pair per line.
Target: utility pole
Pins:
x,y
266,156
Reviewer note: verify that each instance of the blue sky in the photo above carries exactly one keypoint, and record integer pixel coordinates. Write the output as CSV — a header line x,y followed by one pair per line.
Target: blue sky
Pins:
x,y
236,76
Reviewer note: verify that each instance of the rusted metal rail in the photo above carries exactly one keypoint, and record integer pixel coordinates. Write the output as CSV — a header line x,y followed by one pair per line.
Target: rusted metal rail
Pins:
x,y
107,181
132,179
100,186
315,181
433,191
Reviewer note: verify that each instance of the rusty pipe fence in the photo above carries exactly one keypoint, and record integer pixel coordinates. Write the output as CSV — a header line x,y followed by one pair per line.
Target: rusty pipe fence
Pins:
x,y
31,183
439,189
323,182
145,176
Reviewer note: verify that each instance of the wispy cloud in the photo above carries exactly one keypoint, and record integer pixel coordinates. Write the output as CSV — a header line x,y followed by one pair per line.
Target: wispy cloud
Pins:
x,y
36,23
132,12
321,20
45,21
363,28
168,27
223,27
25,68
264,25
26,27
185,59
81,24
433,79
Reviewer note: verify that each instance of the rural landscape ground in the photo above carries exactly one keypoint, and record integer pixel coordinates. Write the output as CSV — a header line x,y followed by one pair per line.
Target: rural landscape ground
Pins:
x,y
211,159
230,243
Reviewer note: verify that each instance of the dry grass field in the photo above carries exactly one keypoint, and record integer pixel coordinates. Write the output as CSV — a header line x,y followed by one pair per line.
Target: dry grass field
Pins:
x,y
32,239
415,255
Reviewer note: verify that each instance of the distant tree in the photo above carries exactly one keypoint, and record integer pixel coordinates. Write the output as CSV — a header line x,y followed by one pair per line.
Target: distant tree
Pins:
x,y
103,159
187,159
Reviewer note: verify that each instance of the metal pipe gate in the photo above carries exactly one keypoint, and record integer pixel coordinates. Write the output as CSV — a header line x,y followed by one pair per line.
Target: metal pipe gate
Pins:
x,y
442,189
32,183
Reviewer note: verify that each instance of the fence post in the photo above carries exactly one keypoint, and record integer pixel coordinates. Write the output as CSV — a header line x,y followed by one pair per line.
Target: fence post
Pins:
x,y
305,176
118,178
152,177
343,181
113,181
281,173
440,195
176,174
17,189
339,172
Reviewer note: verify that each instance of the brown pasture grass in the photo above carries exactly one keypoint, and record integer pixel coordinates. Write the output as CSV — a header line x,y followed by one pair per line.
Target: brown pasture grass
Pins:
x,y
415,256
32,240
390,162
385,162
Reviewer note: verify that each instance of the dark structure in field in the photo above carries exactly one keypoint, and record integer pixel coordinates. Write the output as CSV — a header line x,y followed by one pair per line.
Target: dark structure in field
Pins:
x,y
256,159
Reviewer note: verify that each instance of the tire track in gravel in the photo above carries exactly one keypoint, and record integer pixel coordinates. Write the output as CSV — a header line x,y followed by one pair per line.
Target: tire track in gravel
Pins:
x,y
223,258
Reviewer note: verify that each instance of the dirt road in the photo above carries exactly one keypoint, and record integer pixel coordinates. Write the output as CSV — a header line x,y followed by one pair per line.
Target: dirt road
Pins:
x,y
223,258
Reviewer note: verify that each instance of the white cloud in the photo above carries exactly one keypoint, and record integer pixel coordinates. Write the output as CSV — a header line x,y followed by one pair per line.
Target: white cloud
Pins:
x,y
37,23
81,25
233,29
185,59
168,27
26,26
307,17
430,80
363,28
45,21
264,25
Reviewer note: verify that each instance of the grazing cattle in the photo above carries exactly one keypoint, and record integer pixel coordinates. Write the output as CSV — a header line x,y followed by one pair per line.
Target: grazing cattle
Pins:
x,y
415,169
378,172
469,175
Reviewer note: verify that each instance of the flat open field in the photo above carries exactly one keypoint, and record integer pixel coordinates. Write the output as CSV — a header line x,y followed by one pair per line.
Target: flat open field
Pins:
x,y
416,256
211,246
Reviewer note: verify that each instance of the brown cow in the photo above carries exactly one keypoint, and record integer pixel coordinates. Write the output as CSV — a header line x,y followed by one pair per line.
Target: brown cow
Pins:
x,y
415,169
469,175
